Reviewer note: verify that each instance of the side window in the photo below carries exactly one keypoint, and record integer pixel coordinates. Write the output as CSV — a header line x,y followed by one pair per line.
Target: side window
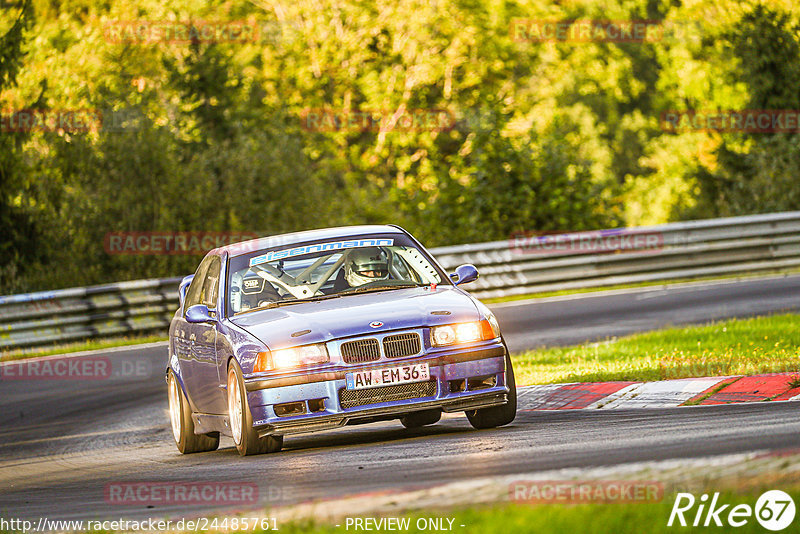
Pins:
x,y
193,294
211,284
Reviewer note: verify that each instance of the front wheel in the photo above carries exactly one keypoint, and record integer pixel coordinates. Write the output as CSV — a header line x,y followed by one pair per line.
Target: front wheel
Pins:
x,y
498,415
241,420
180,416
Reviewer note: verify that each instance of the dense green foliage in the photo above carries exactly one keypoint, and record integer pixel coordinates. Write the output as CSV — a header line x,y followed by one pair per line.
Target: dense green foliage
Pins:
x,y
210,136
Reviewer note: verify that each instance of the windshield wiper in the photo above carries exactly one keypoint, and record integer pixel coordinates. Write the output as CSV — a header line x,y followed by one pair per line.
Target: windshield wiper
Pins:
x,y
379,288
279,303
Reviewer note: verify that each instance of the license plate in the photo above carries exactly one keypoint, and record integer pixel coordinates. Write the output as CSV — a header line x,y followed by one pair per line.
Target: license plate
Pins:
x,y
402,374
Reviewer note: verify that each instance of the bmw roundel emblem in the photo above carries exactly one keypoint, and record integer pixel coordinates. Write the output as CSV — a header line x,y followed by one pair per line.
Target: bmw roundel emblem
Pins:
x,y
376,324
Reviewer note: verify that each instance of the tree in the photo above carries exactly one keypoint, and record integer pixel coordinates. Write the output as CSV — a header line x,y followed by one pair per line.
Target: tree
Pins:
x,y
757,172
18,245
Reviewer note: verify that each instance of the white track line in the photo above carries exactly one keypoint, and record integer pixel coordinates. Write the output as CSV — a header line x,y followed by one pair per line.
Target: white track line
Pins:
x,y
664,394
615,397
95,352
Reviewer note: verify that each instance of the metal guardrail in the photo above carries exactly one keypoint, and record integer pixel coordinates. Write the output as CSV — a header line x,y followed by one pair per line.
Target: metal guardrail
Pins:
x,y
38,319
714,247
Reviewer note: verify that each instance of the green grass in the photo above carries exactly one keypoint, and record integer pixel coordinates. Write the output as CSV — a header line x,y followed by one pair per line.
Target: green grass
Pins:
x,y
737,347
563,292
79,346
617,518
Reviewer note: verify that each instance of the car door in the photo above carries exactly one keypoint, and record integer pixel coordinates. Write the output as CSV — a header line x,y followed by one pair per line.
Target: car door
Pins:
x,y
194,359
209,396
183,339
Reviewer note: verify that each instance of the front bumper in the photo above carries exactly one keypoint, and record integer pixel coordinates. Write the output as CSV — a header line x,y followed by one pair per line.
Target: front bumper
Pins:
x,y
318,392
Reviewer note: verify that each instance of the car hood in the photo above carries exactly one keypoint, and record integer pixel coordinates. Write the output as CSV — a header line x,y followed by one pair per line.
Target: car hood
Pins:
x,y
351,315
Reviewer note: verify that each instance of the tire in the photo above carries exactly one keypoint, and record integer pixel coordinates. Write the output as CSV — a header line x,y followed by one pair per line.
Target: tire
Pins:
x,y
497,415
180,416
418,419
241,420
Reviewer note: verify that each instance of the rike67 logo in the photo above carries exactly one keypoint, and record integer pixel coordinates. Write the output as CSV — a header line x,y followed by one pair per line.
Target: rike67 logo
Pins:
x,y
774,510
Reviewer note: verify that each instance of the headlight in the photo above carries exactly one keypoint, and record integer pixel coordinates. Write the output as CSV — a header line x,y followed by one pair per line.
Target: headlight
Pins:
x,y
443,335
451,334
292,357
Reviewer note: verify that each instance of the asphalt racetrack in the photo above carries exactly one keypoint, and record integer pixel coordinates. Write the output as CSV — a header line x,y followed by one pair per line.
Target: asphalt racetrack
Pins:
x,y
63,443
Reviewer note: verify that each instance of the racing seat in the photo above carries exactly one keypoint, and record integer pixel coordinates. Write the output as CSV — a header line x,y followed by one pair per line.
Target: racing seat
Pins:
x,y
256,291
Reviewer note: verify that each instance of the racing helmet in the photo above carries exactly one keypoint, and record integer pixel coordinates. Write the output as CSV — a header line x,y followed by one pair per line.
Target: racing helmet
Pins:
x,y
364,265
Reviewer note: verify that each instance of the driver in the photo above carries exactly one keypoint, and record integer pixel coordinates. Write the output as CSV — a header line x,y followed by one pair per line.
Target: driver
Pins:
x,y
364,265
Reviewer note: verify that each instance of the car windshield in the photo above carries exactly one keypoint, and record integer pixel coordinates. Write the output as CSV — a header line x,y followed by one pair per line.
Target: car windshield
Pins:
x,y
326,269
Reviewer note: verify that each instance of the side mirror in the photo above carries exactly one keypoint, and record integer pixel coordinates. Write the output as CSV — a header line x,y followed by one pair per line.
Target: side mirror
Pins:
x,y
184,286
199,314
464,274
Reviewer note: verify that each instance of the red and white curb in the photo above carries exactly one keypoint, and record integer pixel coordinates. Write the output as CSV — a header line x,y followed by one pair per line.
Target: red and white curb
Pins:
x,y
664,394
